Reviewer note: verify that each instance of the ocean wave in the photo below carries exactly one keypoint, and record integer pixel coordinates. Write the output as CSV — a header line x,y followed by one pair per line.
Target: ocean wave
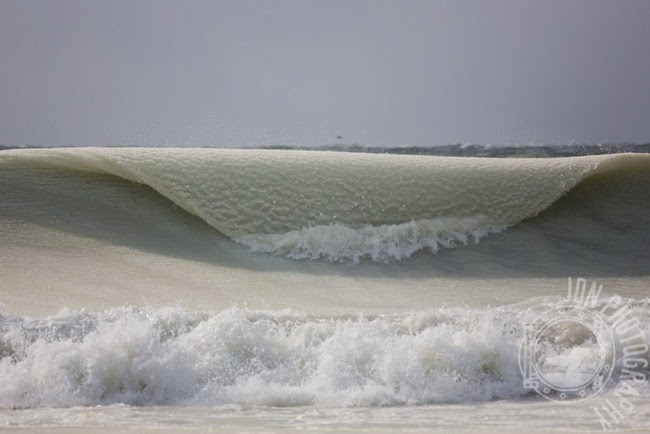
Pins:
x,y
170,356
331,204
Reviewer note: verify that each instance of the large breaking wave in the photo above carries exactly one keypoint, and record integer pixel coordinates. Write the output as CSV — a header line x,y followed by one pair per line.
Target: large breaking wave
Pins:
x,y
333,204
162,356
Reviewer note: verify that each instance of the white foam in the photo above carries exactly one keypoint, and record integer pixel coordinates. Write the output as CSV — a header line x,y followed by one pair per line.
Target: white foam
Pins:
x,y
170,356
279,358
337,242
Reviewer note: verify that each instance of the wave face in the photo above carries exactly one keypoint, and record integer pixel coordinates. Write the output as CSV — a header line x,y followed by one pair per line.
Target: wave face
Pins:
x,y
282,358
332,204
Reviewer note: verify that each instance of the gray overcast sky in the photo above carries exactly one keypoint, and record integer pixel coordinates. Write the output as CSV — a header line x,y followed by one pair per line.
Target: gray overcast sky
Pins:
x,y
245,73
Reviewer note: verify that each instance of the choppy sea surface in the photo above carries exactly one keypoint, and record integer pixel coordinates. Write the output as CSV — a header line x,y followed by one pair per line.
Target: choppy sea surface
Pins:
x,y
343,288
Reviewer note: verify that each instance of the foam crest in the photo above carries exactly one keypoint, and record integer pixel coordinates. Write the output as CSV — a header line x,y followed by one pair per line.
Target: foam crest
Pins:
x,y
383,243
170,356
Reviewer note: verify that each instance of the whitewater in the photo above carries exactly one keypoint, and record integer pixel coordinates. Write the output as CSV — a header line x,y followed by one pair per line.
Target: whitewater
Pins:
x,y
242,289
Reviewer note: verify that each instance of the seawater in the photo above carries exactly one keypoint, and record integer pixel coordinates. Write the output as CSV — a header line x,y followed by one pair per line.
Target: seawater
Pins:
x,y
269,289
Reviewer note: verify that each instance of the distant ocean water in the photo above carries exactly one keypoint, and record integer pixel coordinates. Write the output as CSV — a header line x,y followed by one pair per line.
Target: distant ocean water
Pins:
x,y
286,288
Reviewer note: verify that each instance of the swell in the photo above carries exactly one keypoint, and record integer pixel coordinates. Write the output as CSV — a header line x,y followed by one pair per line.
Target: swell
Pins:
x,y
338,205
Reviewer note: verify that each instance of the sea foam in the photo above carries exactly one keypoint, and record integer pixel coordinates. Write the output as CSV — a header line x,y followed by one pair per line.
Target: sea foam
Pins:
x,y
383,243
165,356
171,356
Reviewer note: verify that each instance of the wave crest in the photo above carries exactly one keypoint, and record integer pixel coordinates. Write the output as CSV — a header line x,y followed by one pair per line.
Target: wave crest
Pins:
x,y
383,243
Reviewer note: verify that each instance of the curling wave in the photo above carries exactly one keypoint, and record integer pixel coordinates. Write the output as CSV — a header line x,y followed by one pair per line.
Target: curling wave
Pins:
x,y
332,204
